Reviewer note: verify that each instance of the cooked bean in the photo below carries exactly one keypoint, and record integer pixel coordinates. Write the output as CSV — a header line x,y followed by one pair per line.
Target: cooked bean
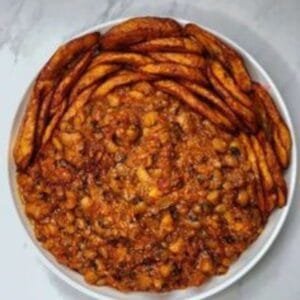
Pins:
x,y
150,118
243,198
213,197
219,145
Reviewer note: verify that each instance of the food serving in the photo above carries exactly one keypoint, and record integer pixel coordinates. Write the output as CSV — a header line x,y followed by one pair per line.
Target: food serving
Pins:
x,y
148,159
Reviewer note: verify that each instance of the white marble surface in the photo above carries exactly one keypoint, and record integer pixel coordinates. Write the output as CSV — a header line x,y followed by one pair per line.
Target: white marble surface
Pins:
x,y
30,30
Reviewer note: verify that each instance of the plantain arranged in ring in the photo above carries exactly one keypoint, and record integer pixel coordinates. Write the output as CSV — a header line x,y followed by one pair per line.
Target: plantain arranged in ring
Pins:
x,y
188,64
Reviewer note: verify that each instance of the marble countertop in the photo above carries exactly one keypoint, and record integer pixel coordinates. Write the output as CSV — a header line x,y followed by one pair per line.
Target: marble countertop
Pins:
x,y
29,32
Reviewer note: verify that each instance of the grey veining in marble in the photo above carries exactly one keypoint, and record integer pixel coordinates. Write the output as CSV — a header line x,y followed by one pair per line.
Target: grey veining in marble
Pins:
x,y
29,32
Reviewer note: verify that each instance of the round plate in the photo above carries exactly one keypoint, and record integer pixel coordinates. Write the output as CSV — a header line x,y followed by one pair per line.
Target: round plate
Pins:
x,y
218,283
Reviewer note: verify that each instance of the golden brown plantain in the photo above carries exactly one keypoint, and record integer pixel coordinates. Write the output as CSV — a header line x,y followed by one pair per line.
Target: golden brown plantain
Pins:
x,y
188,59
228,83
213,99
69,80
137,30
245,114
24,147
183,94
43,118
78,102
228,56
175,44
281,133
262,117
91,76
275,169
128,58
266,176
175,70
53,123
119,79
68,52
255,169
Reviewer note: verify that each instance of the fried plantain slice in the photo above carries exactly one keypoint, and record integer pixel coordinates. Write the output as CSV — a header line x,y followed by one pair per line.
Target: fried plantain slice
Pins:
x,y
43,117
68,52
24,147
267,179
228,56
24,144
69,80
53,123
239,71
183,94
128,58
78,103
223,76
282,153
137,30
175,70
245,114
262,117
281,133
262,164
213,99
188,59
254,166
119,79
91,76
211,43
175,44
275,169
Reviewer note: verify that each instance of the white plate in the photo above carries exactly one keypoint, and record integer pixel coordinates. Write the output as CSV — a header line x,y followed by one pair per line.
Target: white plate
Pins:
x,y
247,260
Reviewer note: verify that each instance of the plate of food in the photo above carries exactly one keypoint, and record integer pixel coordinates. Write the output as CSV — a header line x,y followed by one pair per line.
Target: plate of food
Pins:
x,y
152,158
